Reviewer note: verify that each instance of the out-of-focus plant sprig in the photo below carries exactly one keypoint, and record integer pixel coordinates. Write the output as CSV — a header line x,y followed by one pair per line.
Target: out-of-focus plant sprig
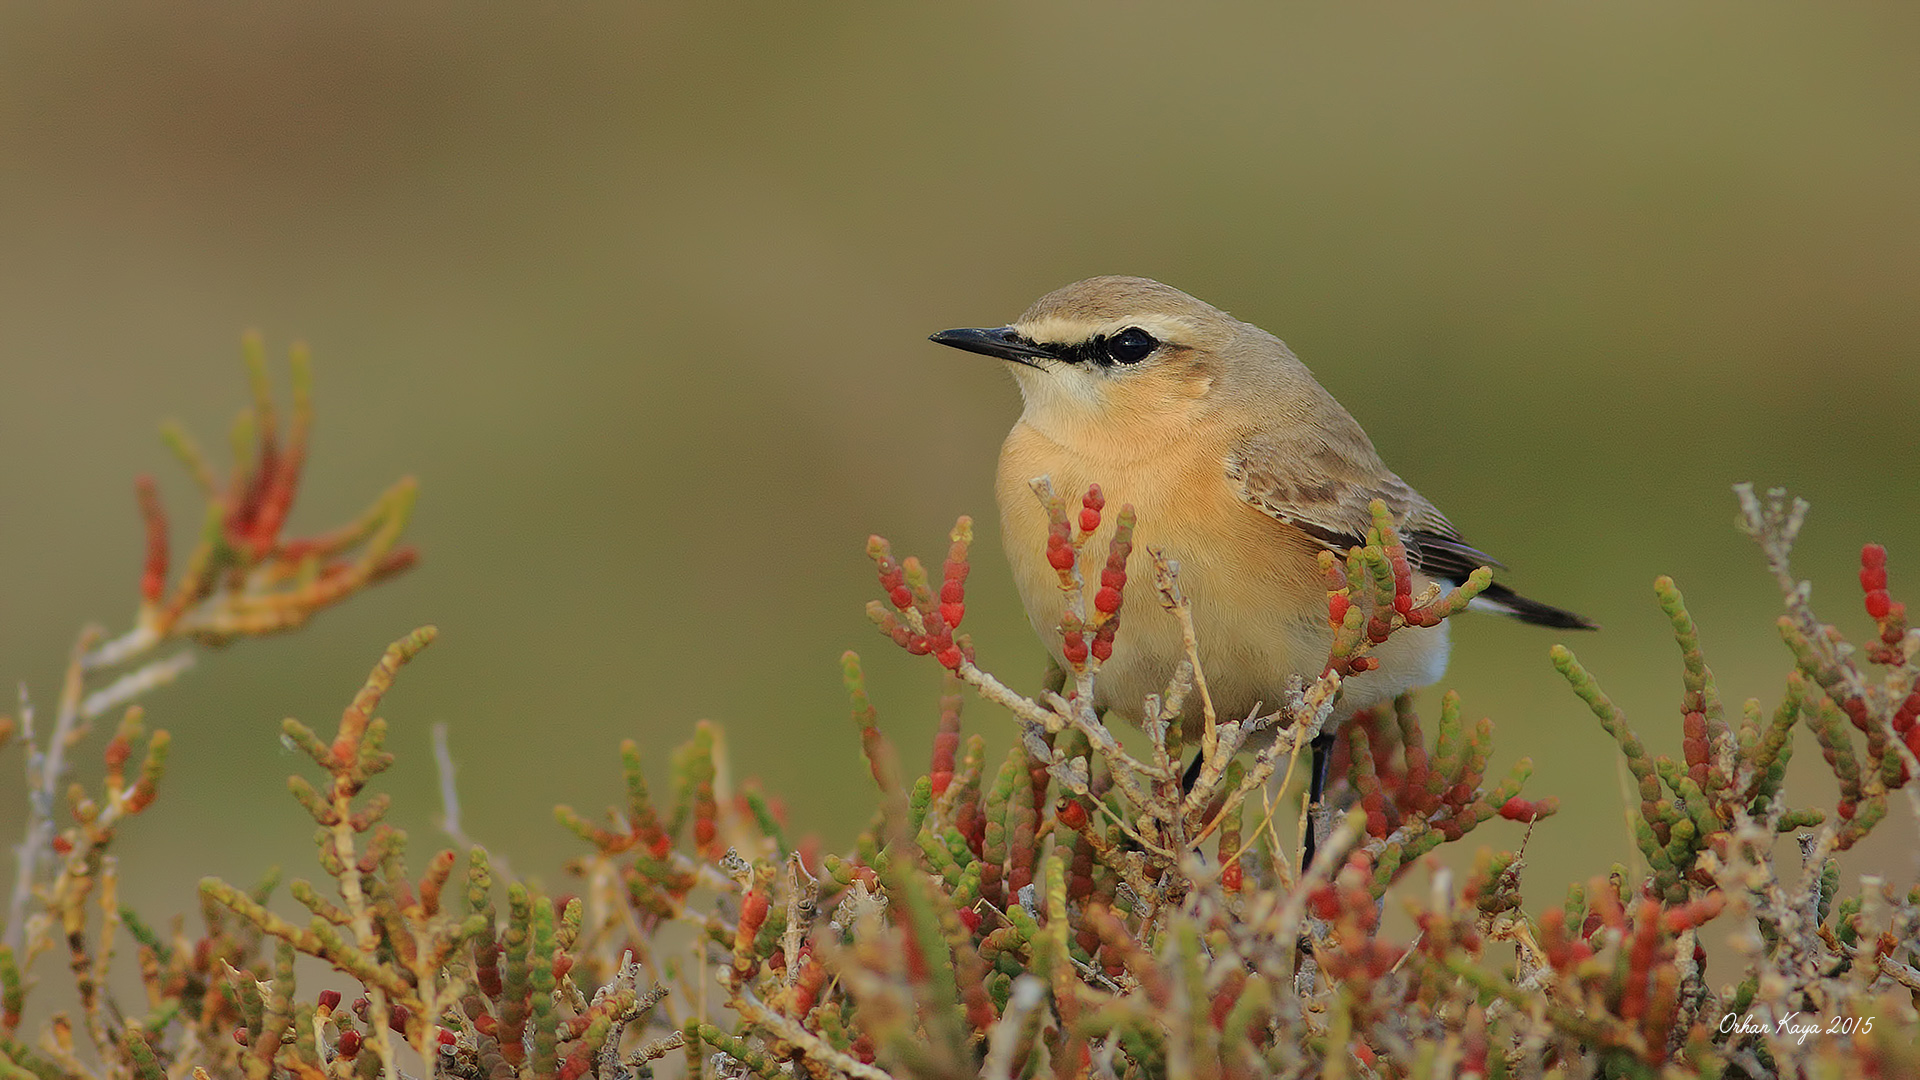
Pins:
x,y
244,578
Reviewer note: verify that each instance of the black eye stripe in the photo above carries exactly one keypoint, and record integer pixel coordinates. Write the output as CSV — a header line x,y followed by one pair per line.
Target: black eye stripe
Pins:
x,y
1091,351
1129,346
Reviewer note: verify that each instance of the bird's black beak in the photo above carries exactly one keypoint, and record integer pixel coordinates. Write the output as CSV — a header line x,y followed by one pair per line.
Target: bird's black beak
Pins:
x,y
1004,342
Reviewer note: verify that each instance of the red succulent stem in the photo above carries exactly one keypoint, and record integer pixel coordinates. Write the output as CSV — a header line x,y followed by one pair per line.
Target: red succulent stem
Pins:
x,y
153,576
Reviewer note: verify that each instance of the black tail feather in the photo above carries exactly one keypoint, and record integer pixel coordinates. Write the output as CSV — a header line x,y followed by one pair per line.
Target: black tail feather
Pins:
x,y
1508,602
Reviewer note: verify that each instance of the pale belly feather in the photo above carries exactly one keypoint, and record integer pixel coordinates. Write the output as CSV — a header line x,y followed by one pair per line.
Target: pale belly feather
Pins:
x,y
1259,603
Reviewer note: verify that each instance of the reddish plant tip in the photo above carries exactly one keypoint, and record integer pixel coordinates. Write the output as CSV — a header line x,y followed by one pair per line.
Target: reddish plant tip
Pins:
x,y
1074,648
153,575
1873,557
1402,570
1856,710
396,561
1089,520
1909,711
1060,556
1108,629
1337,606
448,1038
1879,604
970,919
1095,499
1231,877
349,1044
329,1000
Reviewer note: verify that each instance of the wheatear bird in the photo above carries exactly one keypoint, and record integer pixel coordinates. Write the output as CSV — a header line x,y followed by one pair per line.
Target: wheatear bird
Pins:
x,y
1241,468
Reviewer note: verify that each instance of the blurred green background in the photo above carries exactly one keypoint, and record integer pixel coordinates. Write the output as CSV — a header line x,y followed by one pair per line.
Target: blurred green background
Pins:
x,y
640,294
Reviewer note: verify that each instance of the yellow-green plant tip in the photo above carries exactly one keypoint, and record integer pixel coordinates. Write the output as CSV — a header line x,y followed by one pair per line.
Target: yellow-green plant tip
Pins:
x,y
1650,845
1380,569
145,1065
13,993
1699,809
302,736
278,1014
1420,844
756,1063
400,500
545,1018
300,367
154,766
918,803
938,859
574,823
253,352
336,950
182,444
1382,518
851,675
240,436
317,905
1844,916
769,825
1829,886
1054,873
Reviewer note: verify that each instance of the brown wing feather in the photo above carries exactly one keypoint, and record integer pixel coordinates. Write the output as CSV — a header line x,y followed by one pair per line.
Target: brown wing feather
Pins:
x,y
1335,512
1334,506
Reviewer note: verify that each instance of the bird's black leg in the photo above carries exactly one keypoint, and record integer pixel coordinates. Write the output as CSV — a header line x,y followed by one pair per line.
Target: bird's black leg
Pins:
x,y
1316,789
1192,775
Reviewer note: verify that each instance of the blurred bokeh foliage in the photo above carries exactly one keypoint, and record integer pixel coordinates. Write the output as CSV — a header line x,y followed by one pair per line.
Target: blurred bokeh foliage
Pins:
x,y
639,293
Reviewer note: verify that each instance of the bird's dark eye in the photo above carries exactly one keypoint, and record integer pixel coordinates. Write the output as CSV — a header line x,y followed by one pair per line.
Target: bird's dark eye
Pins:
x,y
1130,346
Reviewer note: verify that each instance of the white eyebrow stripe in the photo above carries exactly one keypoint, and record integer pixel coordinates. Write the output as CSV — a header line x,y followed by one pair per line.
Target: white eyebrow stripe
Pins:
x,y
1055,330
